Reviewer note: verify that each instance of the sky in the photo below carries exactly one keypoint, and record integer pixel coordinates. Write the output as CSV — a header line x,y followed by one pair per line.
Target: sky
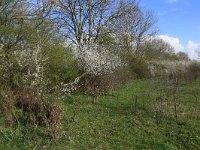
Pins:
x,y
178,23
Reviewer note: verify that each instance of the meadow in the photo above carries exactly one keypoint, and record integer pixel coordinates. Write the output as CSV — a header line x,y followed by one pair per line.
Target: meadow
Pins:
x,y
130,117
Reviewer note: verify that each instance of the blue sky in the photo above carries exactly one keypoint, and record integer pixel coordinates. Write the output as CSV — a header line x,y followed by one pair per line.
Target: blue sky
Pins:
x,y
178,22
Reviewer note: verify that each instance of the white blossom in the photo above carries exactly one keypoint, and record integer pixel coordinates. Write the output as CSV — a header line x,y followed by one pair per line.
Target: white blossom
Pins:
x,y
97,59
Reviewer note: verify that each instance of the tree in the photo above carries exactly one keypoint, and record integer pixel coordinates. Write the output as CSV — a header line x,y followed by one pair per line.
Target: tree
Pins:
x,y
11,23
182,56
134,27
98,60
156,49
83,21
11,35
33,59
24,35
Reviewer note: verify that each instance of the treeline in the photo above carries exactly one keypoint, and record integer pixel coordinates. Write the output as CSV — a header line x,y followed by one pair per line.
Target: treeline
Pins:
x,y
50,48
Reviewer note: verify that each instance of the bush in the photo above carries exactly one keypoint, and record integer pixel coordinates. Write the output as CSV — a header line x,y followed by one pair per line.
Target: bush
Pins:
x,y
35,107
192,71
139,68
60,66
7,103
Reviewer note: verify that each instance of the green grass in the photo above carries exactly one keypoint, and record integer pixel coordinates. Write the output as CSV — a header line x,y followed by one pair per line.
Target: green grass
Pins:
x,y
112,123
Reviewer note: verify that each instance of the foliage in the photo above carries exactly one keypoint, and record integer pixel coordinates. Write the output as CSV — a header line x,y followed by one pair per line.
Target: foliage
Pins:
x,y
30,72
192,71
60,65
139,68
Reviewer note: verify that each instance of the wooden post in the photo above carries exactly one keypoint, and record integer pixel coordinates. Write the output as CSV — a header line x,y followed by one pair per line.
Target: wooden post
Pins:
x,y
136,98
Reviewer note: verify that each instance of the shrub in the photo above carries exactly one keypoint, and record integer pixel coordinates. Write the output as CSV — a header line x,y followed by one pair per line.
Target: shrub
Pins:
x,y
60,66
192,71
37,108
139,68
7,103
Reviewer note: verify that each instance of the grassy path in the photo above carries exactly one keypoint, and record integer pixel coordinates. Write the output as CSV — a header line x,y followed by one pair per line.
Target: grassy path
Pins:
x,y
112,123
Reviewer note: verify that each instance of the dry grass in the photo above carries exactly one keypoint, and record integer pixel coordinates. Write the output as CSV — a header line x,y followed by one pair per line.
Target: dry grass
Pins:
x,y
173,109
35,108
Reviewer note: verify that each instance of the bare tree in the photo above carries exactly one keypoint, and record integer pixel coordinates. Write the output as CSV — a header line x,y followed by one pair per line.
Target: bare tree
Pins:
x,y
134,27
183,56
11,22
156,49
83,21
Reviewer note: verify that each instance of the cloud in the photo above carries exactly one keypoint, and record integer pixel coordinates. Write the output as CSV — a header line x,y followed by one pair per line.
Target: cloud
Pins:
x,y
191,49
174,42
171,1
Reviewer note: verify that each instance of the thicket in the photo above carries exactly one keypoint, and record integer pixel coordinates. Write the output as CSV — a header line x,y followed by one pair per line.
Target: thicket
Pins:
x,y
33,63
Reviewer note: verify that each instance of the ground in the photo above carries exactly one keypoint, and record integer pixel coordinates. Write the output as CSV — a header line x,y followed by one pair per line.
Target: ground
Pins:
x,y
116,121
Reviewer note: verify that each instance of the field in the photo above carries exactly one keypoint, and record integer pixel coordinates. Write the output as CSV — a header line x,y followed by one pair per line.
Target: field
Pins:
x,y
134,116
